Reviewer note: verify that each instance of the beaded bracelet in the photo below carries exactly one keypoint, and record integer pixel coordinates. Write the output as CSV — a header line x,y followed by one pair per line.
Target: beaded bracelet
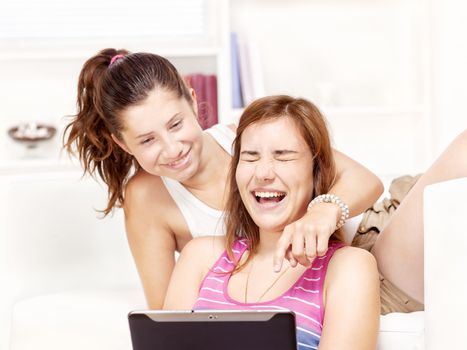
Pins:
x,y
332,198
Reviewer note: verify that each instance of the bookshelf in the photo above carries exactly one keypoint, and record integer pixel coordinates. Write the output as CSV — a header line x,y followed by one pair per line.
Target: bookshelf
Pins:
x,y
195,37
193,34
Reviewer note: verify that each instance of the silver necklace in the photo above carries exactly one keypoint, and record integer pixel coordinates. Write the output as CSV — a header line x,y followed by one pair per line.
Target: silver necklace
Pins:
x,y
267,289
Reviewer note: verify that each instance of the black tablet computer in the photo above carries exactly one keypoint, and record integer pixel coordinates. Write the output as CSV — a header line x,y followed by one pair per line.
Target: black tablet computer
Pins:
x,y
213,330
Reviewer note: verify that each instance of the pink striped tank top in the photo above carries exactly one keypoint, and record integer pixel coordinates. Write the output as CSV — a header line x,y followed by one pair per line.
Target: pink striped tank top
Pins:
x,y
304,298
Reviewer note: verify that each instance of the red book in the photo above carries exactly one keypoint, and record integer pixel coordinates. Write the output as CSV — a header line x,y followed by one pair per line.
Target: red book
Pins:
x,y
211,100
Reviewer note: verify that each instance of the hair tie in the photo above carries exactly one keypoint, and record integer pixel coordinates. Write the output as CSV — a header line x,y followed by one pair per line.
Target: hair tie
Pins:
x,y
114,58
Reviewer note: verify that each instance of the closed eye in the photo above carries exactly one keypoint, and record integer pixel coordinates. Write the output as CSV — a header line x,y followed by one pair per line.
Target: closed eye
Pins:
x,y
249,156
176,125
146,141
285,159
285,155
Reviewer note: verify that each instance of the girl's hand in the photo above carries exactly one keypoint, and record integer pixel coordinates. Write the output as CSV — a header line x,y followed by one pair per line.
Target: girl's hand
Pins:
x,y
307,237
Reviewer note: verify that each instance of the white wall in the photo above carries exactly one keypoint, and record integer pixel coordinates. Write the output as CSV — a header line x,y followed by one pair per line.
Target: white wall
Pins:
x,y
449,52
351,47
387,74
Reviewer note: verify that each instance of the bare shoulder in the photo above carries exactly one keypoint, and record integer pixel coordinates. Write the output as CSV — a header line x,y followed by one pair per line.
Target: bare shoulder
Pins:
x,y
349,264
206,248
349,252
142,187
146,196
150,211
206,245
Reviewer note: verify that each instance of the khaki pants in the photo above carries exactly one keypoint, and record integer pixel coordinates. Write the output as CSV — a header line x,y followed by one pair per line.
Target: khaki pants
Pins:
x,y
374,219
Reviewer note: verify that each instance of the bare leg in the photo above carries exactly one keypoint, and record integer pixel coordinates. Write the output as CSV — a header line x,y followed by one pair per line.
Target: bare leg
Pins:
x,y
399,247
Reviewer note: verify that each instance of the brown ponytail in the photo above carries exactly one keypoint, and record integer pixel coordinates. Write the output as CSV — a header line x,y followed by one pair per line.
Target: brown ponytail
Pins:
x,y
105,90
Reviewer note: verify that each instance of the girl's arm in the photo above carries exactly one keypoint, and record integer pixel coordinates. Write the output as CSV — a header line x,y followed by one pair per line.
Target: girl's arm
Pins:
x,y
356,186
150,236
193,264
351,299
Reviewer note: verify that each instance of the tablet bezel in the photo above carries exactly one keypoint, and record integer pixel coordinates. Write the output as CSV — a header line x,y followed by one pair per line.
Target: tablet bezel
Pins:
x,y
210,315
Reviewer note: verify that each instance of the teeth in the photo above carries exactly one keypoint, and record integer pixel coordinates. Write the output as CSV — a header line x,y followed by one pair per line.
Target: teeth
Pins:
x,y
268,194
177,161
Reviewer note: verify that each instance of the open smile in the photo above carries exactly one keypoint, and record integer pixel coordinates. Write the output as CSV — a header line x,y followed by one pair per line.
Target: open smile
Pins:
x,y
269,199
179,163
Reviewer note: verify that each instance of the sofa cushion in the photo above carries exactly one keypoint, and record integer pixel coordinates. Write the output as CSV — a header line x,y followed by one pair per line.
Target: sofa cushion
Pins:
x,y
75,320
401,331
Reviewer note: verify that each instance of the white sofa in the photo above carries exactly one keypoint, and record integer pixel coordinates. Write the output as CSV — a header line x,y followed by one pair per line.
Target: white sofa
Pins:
x,y
445,264
68,280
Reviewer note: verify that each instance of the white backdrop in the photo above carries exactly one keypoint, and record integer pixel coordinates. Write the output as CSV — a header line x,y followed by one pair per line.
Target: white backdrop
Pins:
x,y
389,75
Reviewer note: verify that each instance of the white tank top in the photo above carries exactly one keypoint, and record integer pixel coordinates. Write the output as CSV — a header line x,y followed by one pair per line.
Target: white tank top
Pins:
x,y
202,220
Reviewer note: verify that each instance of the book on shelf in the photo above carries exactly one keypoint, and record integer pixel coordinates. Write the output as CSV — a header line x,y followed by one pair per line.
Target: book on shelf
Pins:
x,y
205,86
250,69
212,117
237,98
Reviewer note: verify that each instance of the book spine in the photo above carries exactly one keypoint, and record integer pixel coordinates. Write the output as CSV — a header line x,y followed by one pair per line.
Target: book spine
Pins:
x,y
251,73
211,100
245,75
237,99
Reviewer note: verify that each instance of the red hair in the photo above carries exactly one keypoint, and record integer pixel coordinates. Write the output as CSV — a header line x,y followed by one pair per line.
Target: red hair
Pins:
x,y
312,127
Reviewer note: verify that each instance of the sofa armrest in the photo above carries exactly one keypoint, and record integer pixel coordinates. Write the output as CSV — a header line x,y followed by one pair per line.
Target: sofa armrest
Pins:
x,y
445,208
